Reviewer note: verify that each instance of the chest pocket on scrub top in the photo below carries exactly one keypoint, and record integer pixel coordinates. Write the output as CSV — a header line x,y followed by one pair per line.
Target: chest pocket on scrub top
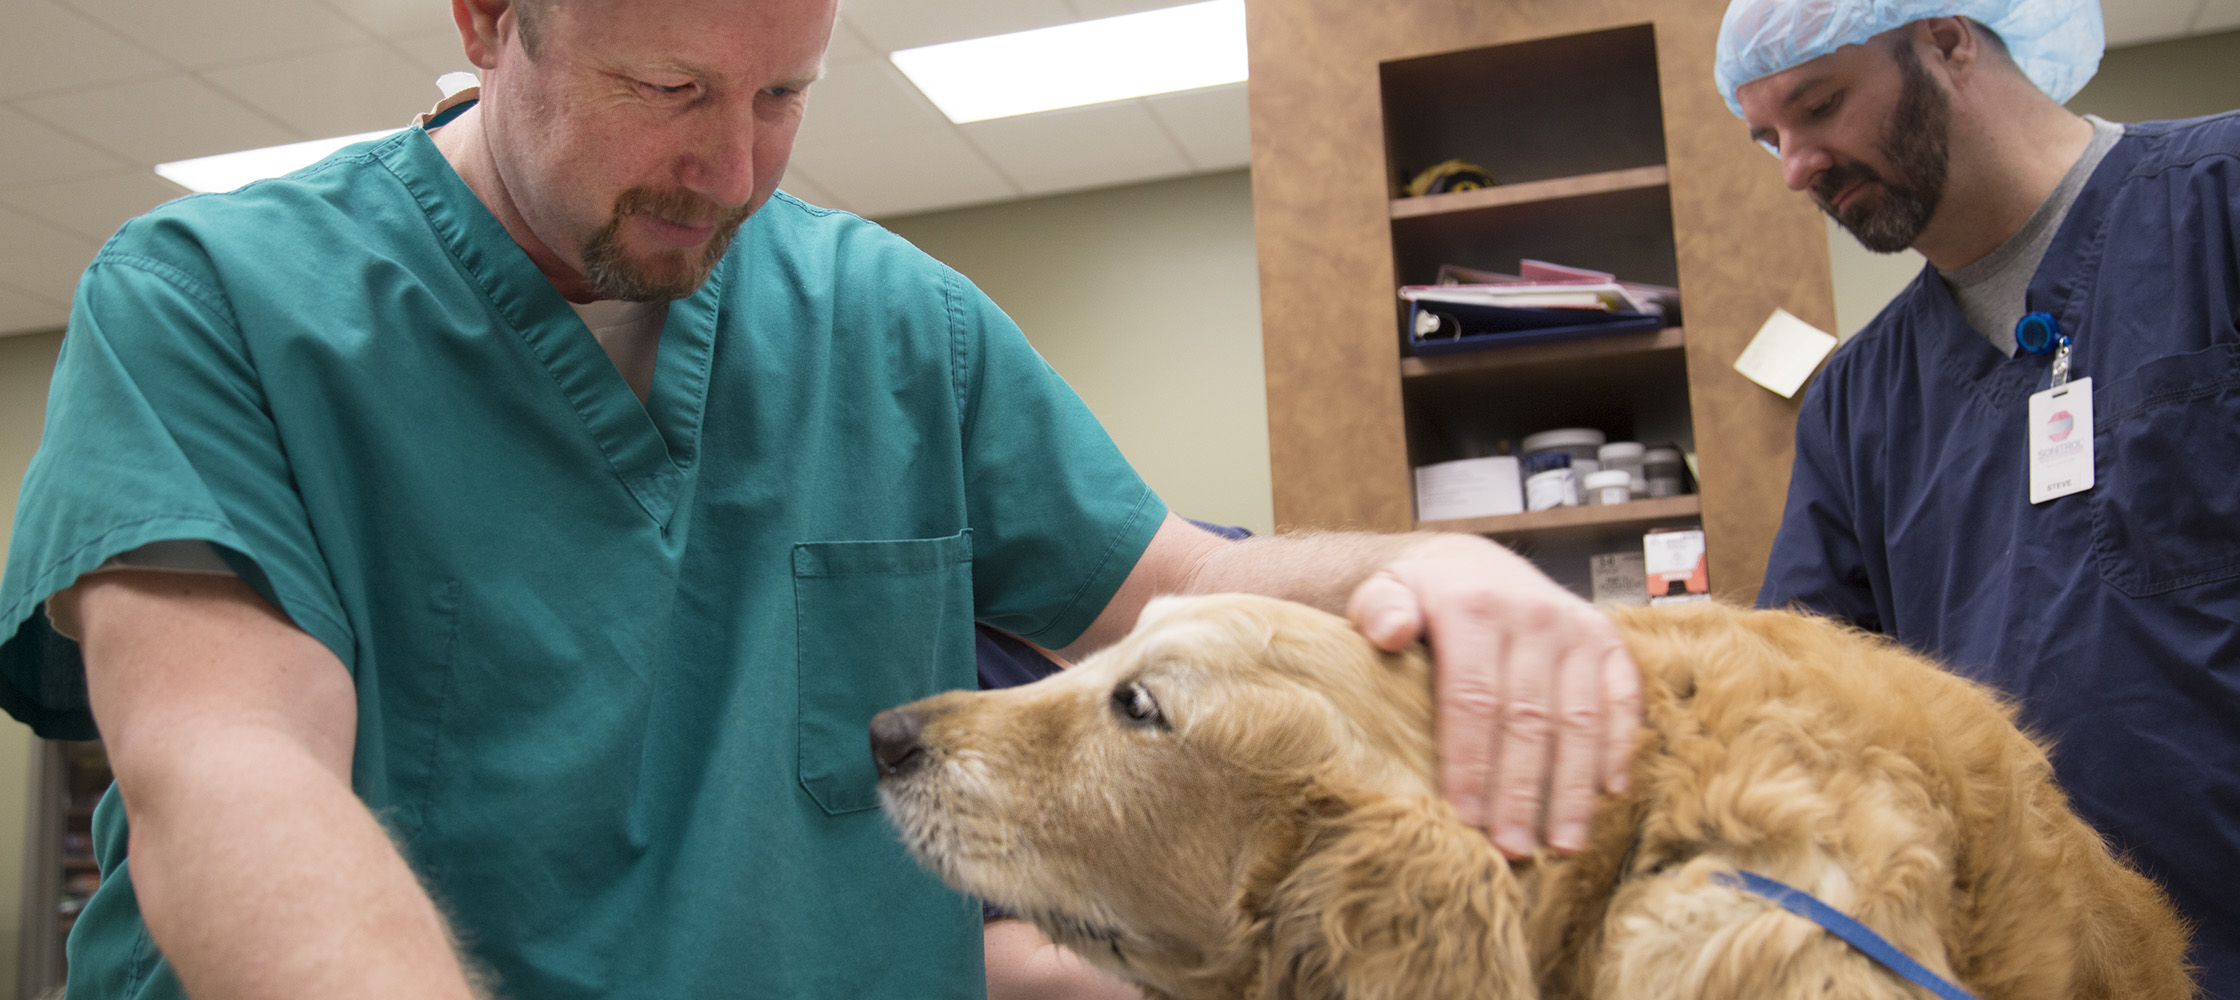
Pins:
x,y
2165,513
877,624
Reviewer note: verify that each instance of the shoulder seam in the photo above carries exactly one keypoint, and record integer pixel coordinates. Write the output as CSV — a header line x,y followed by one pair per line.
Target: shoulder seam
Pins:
x,y
211,298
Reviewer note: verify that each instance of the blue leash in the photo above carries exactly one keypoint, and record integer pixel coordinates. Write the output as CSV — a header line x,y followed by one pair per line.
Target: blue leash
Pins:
x,y
1858,935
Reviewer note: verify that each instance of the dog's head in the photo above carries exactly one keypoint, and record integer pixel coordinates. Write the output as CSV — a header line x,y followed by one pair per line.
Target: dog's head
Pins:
x,y
1202,807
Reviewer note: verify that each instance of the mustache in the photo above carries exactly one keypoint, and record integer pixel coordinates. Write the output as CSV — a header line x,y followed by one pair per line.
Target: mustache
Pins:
x,y
681,208
1837,178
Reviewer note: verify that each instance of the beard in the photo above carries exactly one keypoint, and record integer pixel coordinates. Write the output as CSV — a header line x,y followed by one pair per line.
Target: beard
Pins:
x,y
1916,146
663,275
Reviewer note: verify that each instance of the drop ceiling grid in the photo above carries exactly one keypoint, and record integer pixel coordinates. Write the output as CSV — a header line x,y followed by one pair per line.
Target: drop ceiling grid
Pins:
x,y
93,93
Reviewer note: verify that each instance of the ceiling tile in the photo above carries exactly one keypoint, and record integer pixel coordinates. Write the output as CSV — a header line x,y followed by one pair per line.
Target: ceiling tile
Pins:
x,y
396,18
2130,22
1092,9
200,35
1080,148
1213,125
2217,15
799,184
47,47
21,313
438,52
912,170
155,121
344,91
33,152
863,96
902,24
93,207
41,259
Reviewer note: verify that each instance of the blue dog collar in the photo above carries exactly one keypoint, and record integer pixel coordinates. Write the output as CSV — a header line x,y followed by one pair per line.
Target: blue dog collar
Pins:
x,y
1858,935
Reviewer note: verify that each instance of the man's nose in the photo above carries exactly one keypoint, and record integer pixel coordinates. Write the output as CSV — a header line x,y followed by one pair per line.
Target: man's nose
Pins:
x,y
721,167
895,749
1802,164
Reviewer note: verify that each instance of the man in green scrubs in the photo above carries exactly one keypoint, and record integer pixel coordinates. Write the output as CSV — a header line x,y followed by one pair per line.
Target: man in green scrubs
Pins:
x,y
458,627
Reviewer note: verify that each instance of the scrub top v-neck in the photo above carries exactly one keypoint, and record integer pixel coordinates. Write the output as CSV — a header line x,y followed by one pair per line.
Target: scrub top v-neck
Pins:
x,y
613,660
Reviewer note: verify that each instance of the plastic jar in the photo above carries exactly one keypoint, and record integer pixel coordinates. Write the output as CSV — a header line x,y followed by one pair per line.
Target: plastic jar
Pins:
x,y
1609,486
1626,455
1581,443
1661,468
1549,481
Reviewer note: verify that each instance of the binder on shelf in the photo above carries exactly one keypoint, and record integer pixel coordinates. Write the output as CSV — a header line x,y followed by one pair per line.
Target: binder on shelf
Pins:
x,y
1434,328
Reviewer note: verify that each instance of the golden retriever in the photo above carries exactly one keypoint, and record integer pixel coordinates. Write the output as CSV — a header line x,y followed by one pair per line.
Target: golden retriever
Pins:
x,y
1238,801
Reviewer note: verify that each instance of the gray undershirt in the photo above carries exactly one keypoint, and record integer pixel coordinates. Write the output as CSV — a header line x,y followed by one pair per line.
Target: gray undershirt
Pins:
x,y
1993,292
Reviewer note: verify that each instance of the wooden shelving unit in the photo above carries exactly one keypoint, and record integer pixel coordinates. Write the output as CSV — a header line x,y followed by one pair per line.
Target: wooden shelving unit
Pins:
x,y
1611,150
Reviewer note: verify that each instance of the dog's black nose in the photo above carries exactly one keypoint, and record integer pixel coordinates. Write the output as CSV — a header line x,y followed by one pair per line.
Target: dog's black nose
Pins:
x,y
894,741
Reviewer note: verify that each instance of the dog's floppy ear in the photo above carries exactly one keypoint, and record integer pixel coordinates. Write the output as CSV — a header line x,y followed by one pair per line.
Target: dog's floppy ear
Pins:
x,y
1395,898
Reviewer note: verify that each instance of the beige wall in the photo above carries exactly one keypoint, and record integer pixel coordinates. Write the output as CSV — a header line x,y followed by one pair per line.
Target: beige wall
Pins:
x,y
2176,79
1146,298
26,362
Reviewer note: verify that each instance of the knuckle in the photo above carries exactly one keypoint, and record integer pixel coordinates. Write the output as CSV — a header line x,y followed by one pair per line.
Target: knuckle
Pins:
x,y
1476,699
1579,717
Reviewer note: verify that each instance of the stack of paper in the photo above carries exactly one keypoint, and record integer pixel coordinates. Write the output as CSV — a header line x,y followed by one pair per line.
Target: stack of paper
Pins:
x,y
1470,310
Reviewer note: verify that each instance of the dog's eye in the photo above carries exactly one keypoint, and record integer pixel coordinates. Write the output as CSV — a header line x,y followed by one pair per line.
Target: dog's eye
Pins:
x,y
1135,704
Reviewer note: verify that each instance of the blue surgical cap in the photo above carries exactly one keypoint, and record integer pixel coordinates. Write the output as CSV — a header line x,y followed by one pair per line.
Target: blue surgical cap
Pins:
x,y
2057,43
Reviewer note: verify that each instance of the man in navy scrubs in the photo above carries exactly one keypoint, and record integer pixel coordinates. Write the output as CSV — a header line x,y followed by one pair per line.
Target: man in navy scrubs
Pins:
x,y
2024,465
483,550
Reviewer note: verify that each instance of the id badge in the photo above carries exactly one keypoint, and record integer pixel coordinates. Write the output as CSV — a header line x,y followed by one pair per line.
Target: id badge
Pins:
x,y
2060,441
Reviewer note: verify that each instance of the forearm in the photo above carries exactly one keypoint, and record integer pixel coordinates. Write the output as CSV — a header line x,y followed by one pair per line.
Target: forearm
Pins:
x,y
1316,568
258,870
261,875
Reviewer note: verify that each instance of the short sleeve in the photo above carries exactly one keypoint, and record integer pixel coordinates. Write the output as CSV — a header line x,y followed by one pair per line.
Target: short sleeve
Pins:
x,y
1817,563
1058,517
157,429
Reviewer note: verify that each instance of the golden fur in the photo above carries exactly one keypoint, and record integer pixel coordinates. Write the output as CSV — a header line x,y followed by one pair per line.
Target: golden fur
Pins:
x,y
1275,831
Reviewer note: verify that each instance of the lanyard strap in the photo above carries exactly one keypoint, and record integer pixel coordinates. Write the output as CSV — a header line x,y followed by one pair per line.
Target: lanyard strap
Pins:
x,y
1858,935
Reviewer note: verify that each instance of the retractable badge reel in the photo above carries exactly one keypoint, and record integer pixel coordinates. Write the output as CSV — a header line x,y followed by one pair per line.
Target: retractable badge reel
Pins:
x,y
2059,437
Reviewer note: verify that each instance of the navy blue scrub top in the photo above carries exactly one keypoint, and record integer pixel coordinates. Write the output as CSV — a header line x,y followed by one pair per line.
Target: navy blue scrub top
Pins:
x,y
2113,616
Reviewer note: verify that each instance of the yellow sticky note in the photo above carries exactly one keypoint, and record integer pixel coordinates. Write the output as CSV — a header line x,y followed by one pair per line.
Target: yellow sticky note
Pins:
x,y
1784,353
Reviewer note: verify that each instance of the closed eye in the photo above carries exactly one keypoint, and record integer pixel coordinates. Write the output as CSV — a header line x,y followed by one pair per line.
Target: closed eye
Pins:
x,y
1136,706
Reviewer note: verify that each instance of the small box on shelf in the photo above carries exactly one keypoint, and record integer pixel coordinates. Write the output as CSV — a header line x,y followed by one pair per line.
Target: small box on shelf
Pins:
x,y
1673,560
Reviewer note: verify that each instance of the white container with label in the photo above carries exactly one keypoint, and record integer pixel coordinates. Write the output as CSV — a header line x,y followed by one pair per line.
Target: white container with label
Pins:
x,y
1581,443
1608,486
1625,456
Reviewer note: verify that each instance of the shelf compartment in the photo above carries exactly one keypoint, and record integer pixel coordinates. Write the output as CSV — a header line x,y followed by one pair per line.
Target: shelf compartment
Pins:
x,y
1530,192
1528,355
1577,522
1560,106
1626,232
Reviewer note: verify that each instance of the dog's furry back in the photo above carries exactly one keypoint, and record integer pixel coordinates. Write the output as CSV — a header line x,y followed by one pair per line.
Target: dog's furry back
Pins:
x,y
1897,792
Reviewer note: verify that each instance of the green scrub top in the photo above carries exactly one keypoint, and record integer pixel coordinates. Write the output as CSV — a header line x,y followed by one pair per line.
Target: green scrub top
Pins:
x,y
613,662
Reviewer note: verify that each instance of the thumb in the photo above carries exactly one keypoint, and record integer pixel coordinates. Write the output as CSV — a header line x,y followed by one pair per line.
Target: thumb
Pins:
x,y
1385,610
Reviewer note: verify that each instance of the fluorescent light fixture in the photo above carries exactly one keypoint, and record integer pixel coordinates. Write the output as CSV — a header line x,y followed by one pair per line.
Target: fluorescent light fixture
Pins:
x,y
227,171
1088,62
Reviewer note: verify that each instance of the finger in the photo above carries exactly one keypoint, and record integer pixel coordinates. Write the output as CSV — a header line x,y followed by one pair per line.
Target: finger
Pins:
x,y
1579,739
1386,611
1535,653
1467,662
1621,709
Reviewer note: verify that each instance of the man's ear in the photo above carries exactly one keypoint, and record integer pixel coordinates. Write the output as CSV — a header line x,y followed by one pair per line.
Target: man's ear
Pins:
x,y
1396,898
1953,40
483,25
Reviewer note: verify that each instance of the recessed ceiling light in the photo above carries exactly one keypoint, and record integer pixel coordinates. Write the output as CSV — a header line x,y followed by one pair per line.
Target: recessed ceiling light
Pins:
x,y
1088,62
227,171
